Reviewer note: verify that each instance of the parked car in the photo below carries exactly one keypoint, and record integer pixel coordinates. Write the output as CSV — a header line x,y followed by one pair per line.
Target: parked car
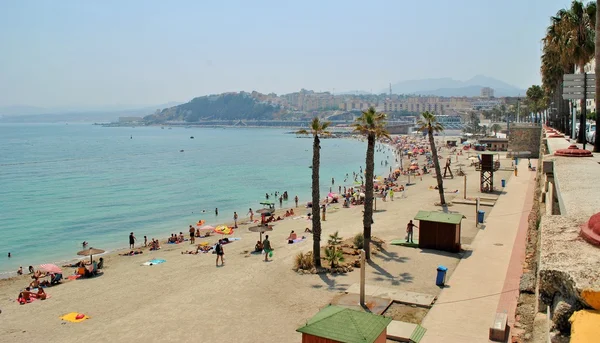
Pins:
x,y
591,134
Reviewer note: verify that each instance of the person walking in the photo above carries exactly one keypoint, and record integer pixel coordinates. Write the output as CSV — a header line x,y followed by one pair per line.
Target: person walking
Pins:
x,y
391,194
145,241
409,231
220,253
251,214
235,218
296,200
323,210
267,248
132,240
192,232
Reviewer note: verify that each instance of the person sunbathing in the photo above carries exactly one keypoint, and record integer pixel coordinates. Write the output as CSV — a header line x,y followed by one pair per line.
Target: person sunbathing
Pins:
x,y
292,237
308,230
35,283
190,252
25,296
287,214
40,294
292,212
258,247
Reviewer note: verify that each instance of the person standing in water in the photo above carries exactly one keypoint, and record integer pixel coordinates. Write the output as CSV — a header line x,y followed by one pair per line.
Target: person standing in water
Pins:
x,y
216,211
296,200
132,240
251,214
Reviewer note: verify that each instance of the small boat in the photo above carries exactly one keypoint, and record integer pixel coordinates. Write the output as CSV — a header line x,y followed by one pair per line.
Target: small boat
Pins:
x,y
191,137
310,167
180,150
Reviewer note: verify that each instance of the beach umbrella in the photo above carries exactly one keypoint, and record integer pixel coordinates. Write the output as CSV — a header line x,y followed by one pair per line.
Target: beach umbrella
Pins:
x,y
265,211
89,252
50,268
223,230
207,228
260,229
413,167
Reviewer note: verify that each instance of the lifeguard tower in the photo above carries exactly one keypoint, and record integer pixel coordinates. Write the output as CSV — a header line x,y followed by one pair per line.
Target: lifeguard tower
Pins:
x,y
488,166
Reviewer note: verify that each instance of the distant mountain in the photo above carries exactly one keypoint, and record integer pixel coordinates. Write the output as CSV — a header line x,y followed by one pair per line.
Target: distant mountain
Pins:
x,y
227,106
450,87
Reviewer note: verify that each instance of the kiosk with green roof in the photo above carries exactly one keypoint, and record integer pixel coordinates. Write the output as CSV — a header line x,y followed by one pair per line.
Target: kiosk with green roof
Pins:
x,y
335,324
439,230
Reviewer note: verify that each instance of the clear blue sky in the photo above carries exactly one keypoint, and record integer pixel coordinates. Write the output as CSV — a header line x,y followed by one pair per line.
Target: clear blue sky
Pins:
x,y
87,53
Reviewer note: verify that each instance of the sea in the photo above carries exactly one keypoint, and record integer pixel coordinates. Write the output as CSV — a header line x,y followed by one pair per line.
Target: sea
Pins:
x,y
62,184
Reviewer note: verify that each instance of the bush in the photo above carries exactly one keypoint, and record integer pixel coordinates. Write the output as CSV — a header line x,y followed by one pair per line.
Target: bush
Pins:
x,y
303,261
359,241
335,239
334,256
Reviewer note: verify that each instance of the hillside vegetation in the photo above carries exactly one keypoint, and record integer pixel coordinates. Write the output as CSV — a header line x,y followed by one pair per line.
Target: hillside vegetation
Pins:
x,y
229,106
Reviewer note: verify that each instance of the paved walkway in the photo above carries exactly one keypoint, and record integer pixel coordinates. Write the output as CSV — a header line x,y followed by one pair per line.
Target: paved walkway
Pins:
x,y
487,281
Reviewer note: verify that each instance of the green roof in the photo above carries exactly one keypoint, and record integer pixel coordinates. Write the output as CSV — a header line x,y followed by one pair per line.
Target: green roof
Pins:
x,y
439,217
346,325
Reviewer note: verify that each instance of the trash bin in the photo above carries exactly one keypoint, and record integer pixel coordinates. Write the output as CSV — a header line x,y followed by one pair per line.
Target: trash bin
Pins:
x,y
440,280
480,215
503,183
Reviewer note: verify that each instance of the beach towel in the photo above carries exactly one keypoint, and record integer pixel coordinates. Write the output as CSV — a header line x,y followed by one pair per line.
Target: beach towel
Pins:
x,y
74,317
153,262
297,240
73,277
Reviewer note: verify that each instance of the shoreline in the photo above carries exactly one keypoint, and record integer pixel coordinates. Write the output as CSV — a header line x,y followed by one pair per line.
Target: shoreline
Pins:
x,y
287,204
248,292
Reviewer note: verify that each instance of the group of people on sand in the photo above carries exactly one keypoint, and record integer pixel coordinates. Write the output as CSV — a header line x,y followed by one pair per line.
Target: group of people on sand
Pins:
x,y
176,239
35,289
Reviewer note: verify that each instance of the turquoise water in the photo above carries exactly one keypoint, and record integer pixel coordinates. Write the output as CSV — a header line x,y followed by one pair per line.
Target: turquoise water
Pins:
x,y
63,184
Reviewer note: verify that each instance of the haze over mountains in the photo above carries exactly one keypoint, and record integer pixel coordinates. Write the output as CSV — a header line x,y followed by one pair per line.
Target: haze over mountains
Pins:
x,y
451,87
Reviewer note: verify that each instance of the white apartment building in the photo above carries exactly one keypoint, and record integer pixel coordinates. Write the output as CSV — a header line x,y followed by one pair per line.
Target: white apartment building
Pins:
x,y
487,92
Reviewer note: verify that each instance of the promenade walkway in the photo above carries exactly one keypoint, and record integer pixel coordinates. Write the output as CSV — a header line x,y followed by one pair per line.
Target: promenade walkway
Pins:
x,y
487,281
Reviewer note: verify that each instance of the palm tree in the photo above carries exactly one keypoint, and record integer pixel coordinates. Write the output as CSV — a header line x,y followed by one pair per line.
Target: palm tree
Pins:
x,y
580,23
317,128
372,125
428,122
535,100
495,127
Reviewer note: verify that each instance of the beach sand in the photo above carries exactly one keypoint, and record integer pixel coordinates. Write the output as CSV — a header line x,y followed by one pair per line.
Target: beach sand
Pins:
x,y
188,299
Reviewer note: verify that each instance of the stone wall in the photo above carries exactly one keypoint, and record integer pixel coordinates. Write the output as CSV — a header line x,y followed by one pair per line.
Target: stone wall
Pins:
x,y
525,138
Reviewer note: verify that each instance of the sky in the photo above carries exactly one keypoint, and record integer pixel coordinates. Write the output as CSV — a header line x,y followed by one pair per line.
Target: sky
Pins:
x,y
104,53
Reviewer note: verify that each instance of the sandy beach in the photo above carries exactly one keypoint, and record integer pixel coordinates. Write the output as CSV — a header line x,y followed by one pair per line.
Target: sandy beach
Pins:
x,y
188,299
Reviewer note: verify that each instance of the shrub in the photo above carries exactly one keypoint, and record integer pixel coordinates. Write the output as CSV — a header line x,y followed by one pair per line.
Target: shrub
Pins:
x,y
334,256
359,241
334,239
303,261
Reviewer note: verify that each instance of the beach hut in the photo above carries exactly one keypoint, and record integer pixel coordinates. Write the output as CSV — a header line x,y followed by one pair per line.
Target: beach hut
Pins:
x,y
439,230
335,324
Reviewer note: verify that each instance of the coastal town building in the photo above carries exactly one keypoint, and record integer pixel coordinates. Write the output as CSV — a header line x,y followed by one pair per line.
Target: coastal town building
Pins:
x,y
487,92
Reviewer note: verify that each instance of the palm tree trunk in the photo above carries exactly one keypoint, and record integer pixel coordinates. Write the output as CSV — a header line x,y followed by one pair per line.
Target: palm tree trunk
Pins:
x,y
581,134
597,72
438,171
316,219
368,217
